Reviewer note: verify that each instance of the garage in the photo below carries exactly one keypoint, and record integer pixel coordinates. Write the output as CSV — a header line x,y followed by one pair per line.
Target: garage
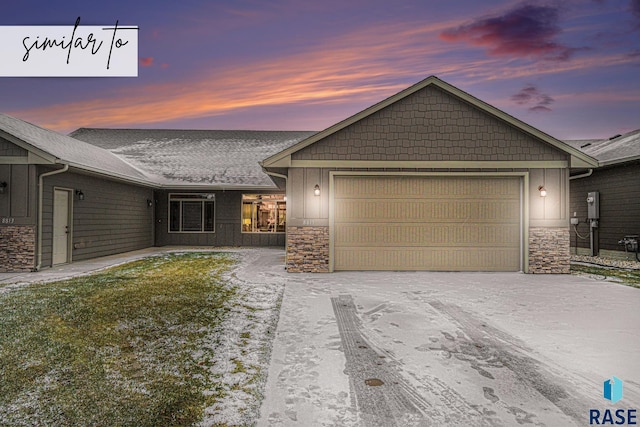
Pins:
x,y
430,178
414,222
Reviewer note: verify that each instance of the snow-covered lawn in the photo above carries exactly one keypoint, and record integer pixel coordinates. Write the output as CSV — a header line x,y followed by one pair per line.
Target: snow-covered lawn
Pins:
x,y
177,339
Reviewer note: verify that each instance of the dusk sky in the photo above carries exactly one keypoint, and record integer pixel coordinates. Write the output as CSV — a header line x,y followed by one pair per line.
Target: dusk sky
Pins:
x,y
570,68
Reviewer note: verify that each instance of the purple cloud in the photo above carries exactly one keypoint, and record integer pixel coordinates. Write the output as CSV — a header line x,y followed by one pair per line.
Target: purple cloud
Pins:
x,y
634,6
527,30
529,95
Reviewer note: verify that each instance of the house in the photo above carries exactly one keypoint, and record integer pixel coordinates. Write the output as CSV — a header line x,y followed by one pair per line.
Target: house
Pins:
x,y
428,179
64,199
616,180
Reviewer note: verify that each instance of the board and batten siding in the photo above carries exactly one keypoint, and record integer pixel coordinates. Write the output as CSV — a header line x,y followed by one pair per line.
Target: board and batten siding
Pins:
x,y
619,188
113,217
228,223
19,199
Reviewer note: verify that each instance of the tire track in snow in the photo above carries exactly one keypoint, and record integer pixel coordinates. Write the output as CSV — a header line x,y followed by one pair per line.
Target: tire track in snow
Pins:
x,y
396,402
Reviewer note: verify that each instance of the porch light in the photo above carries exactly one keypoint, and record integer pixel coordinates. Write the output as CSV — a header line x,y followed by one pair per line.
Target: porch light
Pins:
x,y
542,190
3,187
80,194
149,203
316,190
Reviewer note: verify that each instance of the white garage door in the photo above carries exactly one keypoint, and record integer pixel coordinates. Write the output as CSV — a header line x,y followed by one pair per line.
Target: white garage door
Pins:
x,y
427,223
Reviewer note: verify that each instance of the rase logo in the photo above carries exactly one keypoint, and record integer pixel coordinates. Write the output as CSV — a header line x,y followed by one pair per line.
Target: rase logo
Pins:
x,y
613,391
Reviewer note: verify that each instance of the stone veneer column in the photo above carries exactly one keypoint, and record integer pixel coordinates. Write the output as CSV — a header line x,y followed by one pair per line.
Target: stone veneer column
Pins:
x,y
549,250
308,249
17,248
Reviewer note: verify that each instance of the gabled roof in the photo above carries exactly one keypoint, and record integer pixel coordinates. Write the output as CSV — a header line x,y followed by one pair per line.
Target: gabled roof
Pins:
x,y
578,158
611,151
190,158
51,147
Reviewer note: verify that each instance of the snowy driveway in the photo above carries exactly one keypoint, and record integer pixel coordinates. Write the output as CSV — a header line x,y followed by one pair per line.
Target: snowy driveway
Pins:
x,y
402,348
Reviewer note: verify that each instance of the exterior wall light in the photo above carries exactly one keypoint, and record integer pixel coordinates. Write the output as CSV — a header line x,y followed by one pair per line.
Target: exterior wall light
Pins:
x,y
80,194
149,203
3,187
542,190
316,190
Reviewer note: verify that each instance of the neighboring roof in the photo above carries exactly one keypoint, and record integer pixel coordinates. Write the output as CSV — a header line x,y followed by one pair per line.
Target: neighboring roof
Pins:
x,y
220,158
611,151
53,147
578,158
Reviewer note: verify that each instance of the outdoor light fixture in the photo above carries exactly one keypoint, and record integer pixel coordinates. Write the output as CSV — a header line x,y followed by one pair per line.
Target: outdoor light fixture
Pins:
x,y
316,190
80,194
542,190
149,203
3,187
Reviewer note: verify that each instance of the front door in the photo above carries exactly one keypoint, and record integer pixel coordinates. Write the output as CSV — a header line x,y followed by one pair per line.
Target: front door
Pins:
x,y
61,226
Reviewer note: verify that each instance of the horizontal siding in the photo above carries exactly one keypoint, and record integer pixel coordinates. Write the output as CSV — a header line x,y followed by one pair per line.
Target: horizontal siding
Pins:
x,y
619,189
113,218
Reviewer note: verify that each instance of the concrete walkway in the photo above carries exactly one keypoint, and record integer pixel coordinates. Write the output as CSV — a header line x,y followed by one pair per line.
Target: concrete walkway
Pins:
x,y
80,268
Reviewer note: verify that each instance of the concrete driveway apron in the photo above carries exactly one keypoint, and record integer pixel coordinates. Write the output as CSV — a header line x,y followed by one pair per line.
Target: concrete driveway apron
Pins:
x,y
419,348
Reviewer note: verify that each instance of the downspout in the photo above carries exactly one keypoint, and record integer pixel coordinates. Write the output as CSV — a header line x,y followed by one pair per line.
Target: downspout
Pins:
x,y
584,175
40,208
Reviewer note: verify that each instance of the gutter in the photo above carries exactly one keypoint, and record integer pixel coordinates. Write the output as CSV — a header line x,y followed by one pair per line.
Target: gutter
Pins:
x,y
584,175
40,208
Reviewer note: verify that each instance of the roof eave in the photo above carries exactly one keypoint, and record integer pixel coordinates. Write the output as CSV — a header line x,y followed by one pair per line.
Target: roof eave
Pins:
x,y
108,174
41,156
619,161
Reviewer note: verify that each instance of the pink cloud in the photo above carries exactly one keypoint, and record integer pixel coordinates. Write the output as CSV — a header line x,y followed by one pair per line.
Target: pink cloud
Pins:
x,y
527,30
146,62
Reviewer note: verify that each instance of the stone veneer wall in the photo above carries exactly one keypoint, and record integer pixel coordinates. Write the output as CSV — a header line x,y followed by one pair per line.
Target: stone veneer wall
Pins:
x,y
308,249
17,248
549,250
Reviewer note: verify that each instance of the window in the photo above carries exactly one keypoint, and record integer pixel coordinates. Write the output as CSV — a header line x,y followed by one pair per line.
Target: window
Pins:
x,y
192,213
264,213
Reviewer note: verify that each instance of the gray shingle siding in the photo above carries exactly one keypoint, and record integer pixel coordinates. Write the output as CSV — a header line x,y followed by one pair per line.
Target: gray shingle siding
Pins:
x,y
430,125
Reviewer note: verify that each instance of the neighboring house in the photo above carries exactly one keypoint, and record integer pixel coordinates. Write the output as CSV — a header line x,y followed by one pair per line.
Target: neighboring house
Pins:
x,y
428,179
132,189
617,181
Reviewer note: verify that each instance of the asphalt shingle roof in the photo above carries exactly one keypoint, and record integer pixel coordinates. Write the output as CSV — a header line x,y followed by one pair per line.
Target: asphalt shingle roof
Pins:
x,y
69,150
190,157
611,150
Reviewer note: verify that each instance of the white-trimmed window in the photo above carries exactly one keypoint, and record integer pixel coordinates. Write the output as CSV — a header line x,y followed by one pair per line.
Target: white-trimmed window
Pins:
x,y
264,213
192,213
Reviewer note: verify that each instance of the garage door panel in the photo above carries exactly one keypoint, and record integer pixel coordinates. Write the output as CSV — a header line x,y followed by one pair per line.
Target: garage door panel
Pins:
x,y
434,259
456,187
427,223
376,234
426,210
